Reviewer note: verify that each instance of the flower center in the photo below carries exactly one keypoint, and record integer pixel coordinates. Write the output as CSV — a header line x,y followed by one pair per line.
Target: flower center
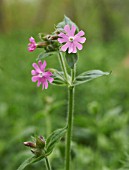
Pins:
x,y
41,74
71,39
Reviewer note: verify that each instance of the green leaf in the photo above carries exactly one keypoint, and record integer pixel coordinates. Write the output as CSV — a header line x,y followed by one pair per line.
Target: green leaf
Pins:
x,y
71,59
58,83
29,161
88,76
66,21
59,78
44,55
53,139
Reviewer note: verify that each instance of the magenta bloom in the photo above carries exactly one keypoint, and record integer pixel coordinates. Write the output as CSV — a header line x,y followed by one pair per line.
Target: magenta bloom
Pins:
x,y
32,45
40,75
72,42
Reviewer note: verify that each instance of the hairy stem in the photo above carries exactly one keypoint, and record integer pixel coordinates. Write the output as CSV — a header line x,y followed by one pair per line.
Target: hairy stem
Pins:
x,y
70,121
48,164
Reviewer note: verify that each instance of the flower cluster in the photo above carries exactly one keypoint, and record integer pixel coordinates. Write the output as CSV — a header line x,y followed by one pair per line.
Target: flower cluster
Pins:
x,y
40,75
66,38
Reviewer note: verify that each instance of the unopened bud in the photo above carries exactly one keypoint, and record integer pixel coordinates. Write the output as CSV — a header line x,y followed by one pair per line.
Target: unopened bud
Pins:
x,y
40,142
30,144
54,37
47,37
41,44
50,48
57,32
36,151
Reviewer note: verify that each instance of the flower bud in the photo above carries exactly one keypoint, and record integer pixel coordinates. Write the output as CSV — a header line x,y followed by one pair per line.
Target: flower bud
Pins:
x,y
41,44
50,48
40,142
37,151
30,144
54,37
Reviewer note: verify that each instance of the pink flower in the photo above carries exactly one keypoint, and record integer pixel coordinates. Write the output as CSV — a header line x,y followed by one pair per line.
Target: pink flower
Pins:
x,y
32,45
72,42
40,75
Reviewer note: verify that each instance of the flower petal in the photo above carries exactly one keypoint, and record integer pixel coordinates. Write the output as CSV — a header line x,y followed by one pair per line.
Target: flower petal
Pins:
x,y
64,47
38,84
46,84
32,40
67,29
43,66
74,49
50,79
62,40
62,35
78,45
36,67
33,72
70,48
80,39
73,29
35,78
40,63
80,33
48,74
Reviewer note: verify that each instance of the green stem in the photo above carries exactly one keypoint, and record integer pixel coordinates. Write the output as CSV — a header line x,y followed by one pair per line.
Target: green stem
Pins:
x,y
47,164
70,121
63,65
73,73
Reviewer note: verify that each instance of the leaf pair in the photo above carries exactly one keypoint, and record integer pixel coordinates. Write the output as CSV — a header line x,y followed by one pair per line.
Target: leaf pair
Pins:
x,y
80,79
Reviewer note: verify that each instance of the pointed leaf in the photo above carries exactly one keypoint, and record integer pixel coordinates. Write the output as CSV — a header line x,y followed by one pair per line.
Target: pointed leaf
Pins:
x,y
29,161
44,55
66,21
53,139
58,82
89,75
69,22
71,59
58,78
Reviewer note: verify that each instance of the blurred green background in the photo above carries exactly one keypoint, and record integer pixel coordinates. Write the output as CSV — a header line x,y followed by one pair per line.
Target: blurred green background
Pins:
x,y
101,122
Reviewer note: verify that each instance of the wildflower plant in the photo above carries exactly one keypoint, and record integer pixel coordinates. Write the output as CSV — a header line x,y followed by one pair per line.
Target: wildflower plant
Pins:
x,y
65,41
